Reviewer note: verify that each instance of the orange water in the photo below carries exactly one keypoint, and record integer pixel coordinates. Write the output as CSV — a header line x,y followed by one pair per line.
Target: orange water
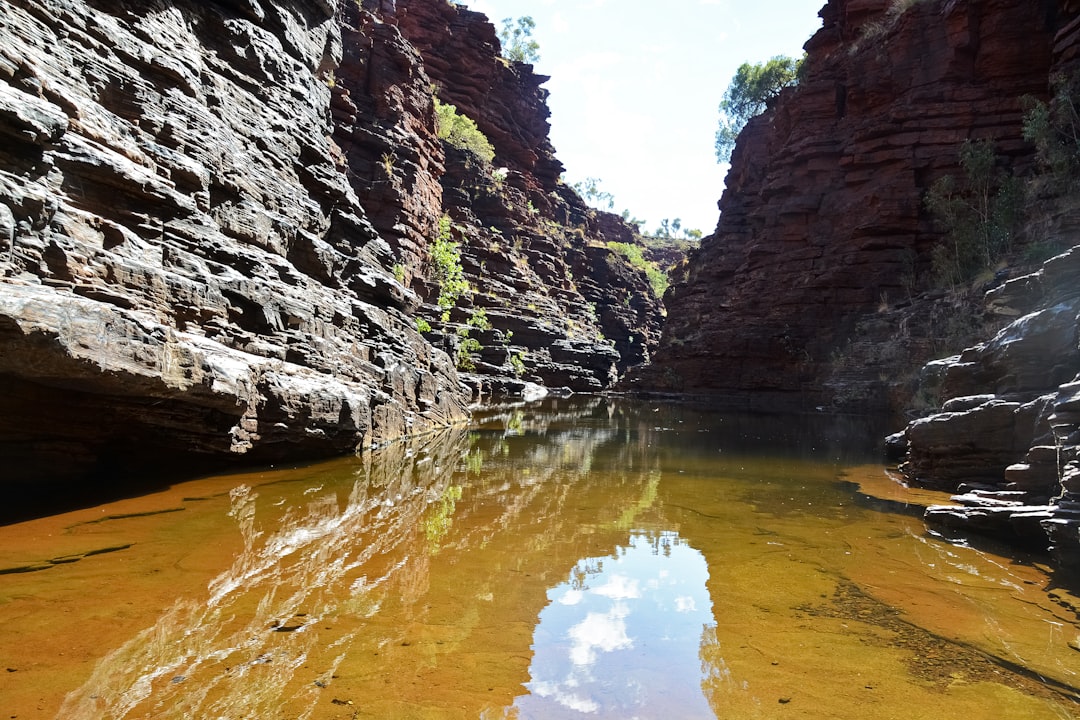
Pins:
x,y
583,559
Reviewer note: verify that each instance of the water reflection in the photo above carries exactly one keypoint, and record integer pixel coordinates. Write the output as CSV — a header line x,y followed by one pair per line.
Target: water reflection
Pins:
x,y
620,637
266,635
583,558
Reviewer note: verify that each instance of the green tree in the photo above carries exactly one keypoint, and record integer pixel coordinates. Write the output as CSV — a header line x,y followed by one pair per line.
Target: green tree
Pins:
x,y
1054,128
632,220
446,268
517,40
979,214
589,189
749,94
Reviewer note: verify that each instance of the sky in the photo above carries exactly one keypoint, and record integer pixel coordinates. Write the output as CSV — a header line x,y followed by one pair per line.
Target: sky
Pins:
x,y
636,85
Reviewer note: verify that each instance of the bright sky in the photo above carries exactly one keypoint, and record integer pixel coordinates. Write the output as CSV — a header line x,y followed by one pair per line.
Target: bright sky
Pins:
x,y
635,86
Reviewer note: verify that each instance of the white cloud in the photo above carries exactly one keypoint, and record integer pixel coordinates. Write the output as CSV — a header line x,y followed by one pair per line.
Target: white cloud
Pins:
x,y
685,604
604,632
620,587
572,597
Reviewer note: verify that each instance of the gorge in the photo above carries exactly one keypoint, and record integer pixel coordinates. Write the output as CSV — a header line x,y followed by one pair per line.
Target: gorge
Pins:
x,y
217,225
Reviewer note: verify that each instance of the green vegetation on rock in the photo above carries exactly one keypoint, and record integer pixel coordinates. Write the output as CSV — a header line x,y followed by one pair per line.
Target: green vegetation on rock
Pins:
x,y
658,279
1054,129
465,348
979,214
461,132
749,94
447,270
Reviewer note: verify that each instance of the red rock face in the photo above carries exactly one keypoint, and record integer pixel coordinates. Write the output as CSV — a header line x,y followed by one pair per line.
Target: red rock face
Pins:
x,y
461,54
384,125
822,219
188,273
571,311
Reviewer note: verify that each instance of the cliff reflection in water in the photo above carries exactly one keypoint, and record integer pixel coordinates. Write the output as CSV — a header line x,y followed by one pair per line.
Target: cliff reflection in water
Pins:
x,y
586,558
270,631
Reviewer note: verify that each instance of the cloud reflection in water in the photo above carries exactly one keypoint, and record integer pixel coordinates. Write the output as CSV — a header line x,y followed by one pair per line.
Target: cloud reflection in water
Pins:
x,y
621,637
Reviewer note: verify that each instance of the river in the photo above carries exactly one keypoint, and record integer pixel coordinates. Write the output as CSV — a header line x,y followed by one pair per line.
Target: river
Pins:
x,y
581,558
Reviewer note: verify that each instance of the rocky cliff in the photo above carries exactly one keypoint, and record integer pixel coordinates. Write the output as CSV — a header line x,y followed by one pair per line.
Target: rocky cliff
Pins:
x,y
816,287
823,227
565,311
215,229
1006,437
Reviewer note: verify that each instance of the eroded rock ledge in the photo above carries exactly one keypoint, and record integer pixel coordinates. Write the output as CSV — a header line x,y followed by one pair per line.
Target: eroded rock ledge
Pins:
x,y
1007,436
185,266
215,222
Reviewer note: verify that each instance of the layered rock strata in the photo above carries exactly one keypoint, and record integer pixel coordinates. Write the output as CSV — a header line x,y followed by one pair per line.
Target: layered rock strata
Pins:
x,y
216,225
187,268
822,220
1007,436
566,312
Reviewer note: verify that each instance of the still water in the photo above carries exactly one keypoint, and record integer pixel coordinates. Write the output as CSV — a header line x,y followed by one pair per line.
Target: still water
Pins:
x,y
585,558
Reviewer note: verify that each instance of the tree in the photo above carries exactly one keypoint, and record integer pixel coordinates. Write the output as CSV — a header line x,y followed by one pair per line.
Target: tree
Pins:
x,y
632,220
517,41
978,213
749,94
589,189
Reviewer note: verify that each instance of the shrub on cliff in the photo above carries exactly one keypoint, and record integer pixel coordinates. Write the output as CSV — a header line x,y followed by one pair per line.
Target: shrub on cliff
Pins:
x,y
1054,128
461,132
658,279
447,270
978,213
749,94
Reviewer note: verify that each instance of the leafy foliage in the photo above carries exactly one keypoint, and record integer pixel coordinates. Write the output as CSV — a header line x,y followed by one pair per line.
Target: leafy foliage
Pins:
x,y
466,347
446,264
658,279
749,94
517,40
671,229
979,215
1054,128
589,189
517,363
461,132
479,319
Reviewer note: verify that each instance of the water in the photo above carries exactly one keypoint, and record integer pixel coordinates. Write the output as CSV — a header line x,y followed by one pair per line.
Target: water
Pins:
x,y
587,558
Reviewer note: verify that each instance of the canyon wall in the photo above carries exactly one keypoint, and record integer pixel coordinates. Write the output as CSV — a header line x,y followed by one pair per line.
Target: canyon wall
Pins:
x,y
215,231
566,312
823,227
1006,437
816,289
